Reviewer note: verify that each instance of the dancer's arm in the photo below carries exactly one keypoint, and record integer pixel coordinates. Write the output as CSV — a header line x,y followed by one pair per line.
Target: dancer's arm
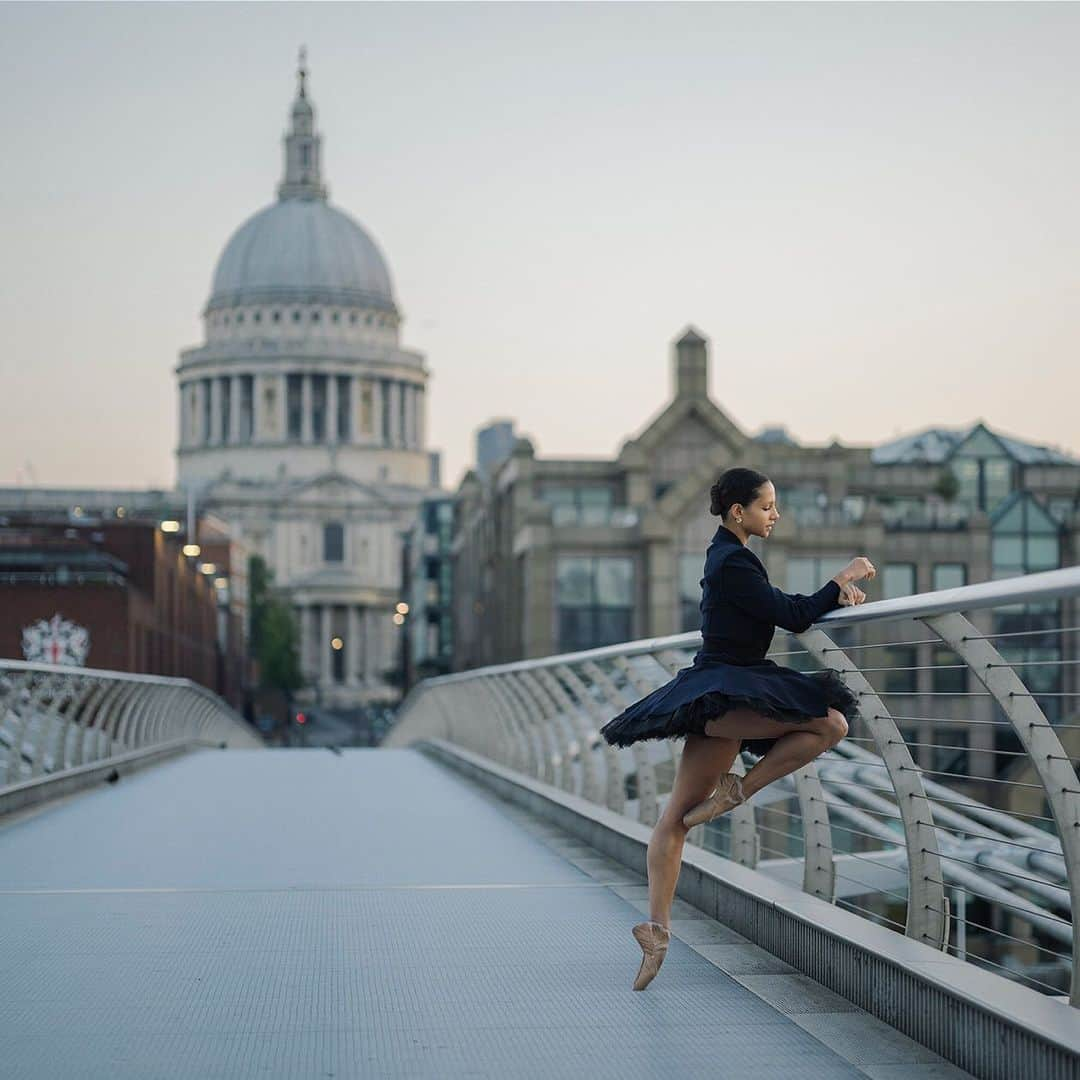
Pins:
x,y
746,585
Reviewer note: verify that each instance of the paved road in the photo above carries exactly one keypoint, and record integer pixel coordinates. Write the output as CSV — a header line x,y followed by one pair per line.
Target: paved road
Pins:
x,y
301,913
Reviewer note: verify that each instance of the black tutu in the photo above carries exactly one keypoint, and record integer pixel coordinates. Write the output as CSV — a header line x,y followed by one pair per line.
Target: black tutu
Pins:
x,y
712,686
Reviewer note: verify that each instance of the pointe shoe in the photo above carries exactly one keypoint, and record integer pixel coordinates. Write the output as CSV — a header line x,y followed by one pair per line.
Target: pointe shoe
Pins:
x,y
727,794
653,939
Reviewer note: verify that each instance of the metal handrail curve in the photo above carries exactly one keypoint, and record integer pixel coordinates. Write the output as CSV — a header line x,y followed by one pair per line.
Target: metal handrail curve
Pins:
x,y
542,715
56,719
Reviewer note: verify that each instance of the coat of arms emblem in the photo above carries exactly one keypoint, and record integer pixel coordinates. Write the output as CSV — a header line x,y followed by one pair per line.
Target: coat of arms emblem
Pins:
x,y
56,641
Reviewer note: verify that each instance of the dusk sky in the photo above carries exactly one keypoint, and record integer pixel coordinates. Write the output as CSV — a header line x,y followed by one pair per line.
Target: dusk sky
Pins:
x,y
873,211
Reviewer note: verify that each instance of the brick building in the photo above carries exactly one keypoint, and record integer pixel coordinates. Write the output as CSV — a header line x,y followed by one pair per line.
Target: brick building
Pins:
x,y
122,596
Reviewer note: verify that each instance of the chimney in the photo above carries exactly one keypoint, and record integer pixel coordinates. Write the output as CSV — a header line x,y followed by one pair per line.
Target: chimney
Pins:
x,y
692,365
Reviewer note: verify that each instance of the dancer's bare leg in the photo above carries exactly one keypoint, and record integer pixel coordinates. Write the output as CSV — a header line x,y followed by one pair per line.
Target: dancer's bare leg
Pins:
x,y
702,762
795,745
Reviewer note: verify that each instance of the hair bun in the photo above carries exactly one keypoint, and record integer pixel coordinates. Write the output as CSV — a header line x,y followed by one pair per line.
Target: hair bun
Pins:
x,y
715,507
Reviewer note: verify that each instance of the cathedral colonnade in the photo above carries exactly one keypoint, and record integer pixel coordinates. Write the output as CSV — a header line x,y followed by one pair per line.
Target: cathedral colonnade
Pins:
x,y
301,407
343,644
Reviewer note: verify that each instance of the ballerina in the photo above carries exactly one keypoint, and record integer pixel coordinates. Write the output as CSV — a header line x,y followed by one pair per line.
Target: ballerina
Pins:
x,y
731,697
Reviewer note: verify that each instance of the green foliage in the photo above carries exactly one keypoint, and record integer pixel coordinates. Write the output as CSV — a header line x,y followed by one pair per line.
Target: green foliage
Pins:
x,y
947,485
273,633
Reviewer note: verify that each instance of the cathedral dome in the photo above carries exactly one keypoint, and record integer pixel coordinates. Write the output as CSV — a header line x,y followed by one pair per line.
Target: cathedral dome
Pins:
x,y
301,250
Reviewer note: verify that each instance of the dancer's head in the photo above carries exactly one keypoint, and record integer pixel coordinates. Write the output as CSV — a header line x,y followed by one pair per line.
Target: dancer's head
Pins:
x,y
745,501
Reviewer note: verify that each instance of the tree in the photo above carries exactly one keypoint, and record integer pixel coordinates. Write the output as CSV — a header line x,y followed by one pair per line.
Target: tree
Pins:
x,y
273,632
948,487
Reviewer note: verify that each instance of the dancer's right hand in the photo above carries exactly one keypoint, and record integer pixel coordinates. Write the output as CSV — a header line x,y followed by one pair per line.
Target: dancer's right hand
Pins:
x,y
860,567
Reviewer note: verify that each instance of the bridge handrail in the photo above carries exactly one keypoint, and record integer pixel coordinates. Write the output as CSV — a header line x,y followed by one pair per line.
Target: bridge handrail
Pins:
x,y
541,717
56,719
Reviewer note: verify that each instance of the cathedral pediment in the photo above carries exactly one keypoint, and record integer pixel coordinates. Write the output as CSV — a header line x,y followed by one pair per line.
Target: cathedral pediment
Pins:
x,y
336,488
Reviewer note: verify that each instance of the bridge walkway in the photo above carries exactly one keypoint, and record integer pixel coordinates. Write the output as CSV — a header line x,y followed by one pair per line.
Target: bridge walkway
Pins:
x,y
310,913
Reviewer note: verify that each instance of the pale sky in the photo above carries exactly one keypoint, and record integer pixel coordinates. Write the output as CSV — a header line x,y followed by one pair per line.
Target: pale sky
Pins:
x,y
872,211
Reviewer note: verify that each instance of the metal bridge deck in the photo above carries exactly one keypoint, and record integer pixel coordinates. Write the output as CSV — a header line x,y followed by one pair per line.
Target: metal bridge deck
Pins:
x,y
304,913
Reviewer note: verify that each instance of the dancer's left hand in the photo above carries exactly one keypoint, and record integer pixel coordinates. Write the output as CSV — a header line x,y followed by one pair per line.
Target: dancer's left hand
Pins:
x,y
851,594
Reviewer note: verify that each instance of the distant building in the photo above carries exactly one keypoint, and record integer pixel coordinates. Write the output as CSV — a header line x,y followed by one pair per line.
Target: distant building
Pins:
x,y
120,596
427,640
302,420
302,423
494,444
557,555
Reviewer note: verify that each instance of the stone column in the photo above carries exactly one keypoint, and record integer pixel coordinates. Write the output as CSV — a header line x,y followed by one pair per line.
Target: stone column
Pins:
x,y
215,411
395,413
305,407
324,645
307,642
234,409
407,391
331,410
421,425
377,411
352,640
370,644
184,429
358,397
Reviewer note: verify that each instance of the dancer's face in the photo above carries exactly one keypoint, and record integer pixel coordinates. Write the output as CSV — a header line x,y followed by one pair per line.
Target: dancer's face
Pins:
x,y
759,517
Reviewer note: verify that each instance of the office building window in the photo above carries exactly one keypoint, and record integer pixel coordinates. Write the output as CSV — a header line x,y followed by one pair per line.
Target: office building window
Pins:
x,y
898,579
595,601
806,574
950,575
900,660
579,505
1026,539
984,470
691,571
951,753
950,673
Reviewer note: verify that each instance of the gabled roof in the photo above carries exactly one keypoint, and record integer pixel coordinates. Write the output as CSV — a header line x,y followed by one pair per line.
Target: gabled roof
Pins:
x,y
679,411
936,445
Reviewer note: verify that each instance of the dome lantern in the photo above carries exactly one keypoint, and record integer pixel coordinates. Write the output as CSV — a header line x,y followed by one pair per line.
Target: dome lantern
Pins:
x,y
303,148
300,249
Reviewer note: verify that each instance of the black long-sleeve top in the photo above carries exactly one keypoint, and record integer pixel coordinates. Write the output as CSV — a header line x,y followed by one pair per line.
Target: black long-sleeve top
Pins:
x,y
740,609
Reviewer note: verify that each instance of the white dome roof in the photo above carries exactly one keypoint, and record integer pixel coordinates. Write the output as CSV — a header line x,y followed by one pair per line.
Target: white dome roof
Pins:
x,y
301,250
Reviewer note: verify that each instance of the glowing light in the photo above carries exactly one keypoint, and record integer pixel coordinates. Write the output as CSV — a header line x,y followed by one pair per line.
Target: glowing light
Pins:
x,y
192,550
220,582
208,568
398,618
336,643
402,608
170,526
